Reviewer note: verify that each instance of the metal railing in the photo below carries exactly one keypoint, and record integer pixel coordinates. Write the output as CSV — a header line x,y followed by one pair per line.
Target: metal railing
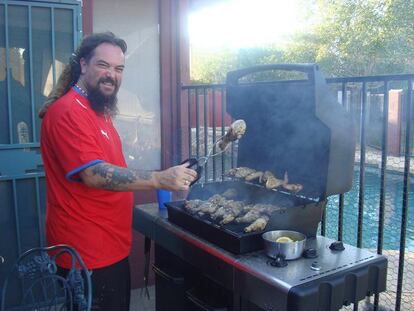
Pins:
x,y
378,212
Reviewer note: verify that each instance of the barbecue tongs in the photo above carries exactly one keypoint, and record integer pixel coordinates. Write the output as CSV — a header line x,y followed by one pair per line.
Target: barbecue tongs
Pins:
x,y
235,132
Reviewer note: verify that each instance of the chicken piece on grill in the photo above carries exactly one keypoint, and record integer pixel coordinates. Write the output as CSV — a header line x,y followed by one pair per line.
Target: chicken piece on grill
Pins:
x,y
229,208
233,209
255,175
240,172
218,199
211,205
247,173
270,180
291,187
235,206
248,207
227,218
258,225
207,208
219,213
193,206
249,217
256,211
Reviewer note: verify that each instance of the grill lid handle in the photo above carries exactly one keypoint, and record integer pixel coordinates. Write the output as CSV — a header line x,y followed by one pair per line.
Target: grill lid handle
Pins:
x,y
234,76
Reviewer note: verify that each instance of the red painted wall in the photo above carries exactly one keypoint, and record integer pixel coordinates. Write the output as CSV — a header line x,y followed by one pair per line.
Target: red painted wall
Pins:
x,y
394,122
214,114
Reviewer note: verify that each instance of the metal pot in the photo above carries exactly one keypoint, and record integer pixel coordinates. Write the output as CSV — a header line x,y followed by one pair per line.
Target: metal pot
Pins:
x,y
284,243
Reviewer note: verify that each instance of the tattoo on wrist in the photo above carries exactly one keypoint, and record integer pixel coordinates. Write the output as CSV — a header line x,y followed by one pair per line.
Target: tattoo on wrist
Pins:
x,y
118,178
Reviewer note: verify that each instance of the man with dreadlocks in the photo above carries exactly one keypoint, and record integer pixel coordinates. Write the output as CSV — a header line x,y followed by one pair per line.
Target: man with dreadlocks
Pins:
x,y
89,198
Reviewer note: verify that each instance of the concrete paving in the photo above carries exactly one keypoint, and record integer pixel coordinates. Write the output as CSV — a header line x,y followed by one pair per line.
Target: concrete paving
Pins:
x,y
140,302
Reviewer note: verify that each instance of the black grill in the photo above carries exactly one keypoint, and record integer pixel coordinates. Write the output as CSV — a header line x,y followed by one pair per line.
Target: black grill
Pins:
x,y
293,126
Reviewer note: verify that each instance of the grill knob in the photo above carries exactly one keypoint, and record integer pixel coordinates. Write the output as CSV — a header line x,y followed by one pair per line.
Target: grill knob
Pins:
x,y
279,262
315,266
337,246
310,253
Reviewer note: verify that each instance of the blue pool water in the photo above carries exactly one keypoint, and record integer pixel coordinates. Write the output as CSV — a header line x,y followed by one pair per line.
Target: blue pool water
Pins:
x,y
393,212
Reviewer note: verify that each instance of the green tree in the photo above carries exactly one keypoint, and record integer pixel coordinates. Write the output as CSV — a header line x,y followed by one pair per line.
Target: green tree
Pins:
x,y
349,38
211,67
359,37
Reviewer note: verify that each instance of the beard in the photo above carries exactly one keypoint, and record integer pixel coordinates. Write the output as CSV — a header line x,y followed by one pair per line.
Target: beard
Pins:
x,y
100,102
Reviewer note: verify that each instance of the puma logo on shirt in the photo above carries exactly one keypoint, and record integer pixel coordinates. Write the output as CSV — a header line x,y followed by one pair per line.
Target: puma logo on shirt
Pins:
x,y
105,134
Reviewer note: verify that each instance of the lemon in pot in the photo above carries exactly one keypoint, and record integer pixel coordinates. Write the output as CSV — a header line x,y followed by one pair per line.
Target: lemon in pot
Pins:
x,y
284,239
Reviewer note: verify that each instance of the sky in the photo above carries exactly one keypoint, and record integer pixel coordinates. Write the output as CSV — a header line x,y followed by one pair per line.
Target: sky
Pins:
x,y
245,23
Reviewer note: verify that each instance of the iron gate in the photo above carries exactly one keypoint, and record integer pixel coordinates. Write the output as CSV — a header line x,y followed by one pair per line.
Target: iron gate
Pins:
x,y
36,40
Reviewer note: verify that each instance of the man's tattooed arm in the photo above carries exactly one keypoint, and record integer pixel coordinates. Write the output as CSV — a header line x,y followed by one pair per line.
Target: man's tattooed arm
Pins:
x,y
115,178
111,177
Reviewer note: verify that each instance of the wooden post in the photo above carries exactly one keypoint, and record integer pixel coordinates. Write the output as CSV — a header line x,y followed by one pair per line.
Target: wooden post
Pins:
x,y
174,64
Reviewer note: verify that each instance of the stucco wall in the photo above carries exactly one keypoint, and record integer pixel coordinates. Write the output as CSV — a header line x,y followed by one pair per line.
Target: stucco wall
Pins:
x,y
136,21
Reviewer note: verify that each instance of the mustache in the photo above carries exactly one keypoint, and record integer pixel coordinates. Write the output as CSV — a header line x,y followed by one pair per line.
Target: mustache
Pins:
x,y
108,80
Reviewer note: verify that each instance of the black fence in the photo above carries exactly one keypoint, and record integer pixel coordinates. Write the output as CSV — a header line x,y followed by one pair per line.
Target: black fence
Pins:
x,y
377,213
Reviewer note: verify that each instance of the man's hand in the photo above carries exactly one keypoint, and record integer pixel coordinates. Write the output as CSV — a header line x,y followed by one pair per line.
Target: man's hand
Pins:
x,y
176,178
115,178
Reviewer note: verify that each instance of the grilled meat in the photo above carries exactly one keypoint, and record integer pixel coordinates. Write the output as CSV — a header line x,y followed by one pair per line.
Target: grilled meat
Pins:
x,y
248,207
258,225
211,205
247,173
256,211
240,172
236,131
193,206
219,213
227,218
249,217
217,199
219,208
270,180
254,175
228,210
291,187
233,209
207,208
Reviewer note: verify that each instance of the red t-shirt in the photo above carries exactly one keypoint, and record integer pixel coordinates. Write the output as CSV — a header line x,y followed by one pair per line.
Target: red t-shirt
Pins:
x,y
96,222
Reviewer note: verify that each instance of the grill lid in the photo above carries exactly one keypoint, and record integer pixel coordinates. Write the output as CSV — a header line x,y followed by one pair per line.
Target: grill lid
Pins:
x,y
295,126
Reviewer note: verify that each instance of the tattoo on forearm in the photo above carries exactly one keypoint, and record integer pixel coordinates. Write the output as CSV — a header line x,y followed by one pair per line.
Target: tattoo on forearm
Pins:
x,y
118,178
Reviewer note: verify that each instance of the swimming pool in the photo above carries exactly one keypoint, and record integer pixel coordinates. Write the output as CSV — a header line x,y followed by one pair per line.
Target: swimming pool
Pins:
x,y
393,212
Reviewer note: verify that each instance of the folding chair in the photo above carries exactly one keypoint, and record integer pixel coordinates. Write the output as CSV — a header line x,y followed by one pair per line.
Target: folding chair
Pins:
x,y
35,284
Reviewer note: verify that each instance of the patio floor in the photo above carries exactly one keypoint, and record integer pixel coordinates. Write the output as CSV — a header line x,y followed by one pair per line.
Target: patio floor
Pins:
x,y
141,303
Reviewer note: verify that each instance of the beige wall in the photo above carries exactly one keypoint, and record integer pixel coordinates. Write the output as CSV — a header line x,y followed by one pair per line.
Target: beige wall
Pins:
x,y
136,21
